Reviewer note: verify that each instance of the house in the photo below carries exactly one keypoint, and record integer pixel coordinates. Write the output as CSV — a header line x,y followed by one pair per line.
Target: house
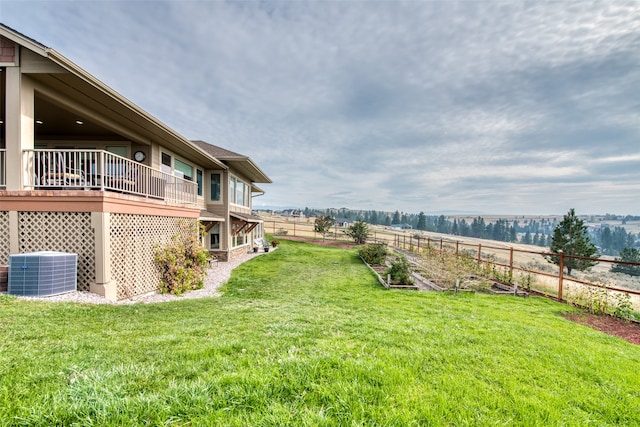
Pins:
x,y
86,171
401,227
343,222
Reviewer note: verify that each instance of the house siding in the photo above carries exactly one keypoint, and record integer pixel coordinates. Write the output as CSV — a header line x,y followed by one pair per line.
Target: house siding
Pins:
x,y
7,51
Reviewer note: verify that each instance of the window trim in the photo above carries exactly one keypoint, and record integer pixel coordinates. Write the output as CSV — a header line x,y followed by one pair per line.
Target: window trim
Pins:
x,y
246,191
200,181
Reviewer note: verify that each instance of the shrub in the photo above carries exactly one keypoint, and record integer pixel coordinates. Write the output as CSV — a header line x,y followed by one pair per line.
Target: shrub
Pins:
x,y
182,262
599,300
400,271
359,232
623,307
373,253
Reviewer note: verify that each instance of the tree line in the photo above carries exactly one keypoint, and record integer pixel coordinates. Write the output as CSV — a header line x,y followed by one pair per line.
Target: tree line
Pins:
x,y
570,245
609,240
529,231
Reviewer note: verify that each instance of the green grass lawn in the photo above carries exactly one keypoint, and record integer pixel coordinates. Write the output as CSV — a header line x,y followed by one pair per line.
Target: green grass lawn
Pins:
x,y
305,335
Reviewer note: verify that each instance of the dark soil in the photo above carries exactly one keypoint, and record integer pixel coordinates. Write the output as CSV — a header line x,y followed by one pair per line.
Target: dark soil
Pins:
x,y
629,331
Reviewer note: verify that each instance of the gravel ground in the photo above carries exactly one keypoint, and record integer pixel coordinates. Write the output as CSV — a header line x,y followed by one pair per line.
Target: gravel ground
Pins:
x,y
216,277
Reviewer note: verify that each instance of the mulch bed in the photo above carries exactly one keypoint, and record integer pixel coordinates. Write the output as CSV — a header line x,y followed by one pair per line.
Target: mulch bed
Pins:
x,y
629,331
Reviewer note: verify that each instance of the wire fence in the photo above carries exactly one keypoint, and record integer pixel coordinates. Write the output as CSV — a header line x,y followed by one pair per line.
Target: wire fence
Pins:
x,y
541,271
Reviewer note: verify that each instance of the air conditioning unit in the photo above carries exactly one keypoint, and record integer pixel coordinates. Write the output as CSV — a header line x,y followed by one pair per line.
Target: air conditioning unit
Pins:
x,y
40,274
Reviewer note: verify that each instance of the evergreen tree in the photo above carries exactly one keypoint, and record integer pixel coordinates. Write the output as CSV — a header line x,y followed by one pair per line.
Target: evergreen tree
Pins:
x,y
422,222
571,238
396,218
454,228
442,226
488,231
405,219
628,255
465,230
606,239
373,218
478,227
359,232
513,236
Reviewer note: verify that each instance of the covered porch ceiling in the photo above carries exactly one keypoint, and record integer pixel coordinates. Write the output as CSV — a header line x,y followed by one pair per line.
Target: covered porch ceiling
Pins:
x,y
209,219
243,222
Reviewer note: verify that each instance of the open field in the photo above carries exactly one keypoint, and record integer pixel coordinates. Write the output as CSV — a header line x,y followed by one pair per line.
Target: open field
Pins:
x,y
306,336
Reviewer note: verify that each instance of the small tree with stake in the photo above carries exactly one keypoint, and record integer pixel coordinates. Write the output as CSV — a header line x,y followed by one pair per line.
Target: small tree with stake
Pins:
x,y
570,237
359,232
323,224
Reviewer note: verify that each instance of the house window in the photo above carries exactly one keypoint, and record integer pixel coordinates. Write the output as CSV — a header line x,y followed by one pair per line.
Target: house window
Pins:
x,y
232,190
166,163
215,187
183,170
239,192
119,150
214,237
239,239
199,181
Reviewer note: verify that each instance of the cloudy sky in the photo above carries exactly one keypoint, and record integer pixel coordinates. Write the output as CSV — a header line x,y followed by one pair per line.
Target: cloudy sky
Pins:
x,y
507,107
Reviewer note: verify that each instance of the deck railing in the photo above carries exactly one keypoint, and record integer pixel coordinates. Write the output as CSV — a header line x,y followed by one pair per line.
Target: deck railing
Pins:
x,y
3,168
102,170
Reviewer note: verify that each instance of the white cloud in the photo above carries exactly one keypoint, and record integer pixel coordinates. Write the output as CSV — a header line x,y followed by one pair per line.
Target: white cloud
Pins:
x,y
488,106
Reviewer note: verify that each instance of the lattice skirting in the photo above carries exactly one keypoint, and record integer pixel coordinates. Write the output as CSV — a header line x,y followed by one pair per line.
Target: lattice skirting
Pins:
x,y
133,242
4,237
63,232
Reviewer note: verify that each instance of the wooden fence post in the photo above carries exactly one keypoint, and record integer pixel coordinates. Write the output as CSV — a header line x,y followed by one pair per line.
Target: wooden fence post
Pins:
x,y
560,274
457,243
511,264
479,253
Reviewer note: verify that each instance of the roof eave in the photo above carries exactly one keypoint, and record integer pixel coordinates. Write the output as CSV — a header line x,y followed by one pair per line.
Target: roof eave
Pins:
x,y
216,160
23,40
